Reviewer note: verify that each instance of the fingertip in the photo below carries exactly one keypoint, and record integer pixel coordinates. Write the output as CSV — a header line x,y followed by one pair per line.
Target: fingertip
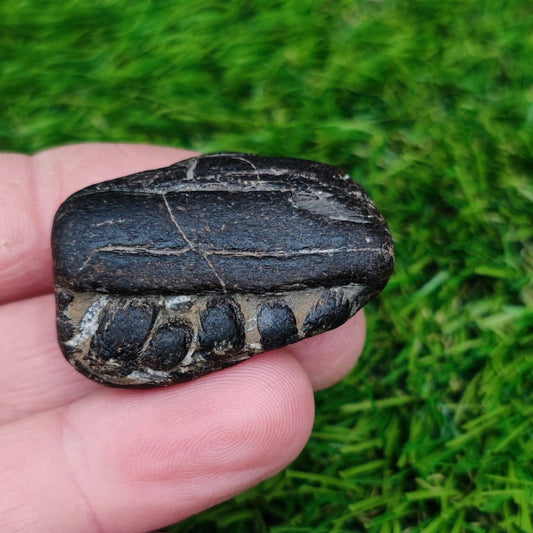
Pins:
x,y
330,356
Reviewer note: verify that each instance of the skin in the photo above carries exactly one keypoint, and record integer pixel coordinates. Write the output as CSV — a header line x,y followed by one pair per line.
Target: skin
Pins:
x,y
77,456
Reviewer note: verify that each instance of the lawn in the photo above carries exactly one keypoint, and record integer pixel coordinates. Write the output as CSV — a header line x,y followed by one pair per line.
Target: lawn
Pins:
x,y
430,106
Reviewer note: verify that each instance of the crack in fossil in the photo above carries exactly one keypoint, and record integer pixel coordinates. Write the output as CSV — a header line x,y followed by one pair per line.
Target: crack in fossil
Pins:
x,y
136,249
193,246
222,284
140,250
293,253
251,164
191,169
87,260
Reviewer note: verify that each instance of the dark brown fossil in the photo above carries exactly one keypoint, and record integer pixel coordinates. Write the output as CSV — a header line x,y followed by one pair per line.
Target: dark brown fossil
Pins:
x,y
169,274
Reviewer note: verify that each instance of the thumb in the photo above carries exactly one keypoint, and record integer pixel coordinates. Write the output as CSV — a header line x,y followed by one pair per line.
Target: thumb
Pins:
x,y
123,460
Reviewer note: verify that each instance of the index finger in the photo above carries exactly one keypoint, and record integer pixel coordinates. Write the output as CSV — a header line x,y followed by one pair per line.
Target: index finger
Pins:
x,y
33,187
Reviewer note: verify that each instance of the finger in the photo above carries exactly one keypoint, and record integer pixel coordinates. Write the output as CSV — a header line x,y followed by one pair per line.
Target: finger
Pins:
x,y
136,461
35,376
328,357
31,190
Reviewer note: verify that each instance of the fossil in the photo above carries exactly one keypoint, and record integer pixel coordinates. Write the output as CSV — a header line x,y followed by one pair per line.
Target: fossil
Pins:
x,y
169,274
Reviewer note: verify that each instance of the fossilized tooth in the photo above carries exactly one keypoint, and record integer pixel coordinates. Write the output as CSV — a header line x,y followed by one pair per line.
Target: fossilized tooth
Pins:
x,y
169,274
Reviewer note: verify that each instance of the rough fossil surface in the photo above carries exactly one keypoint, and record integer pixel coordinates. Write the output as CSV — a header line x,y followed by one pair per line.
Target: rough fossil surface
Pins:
x,y
169,274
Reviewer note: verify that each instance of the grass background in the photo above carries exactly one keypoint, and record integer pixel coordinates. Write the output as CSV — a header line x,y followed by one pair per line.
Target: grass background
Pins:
x,y
429,104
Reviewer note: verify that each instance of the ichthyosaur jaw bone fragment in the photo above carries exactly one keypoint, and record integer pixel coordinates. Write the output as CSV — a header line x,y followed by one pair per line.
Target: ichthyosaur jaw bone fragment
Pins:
x,y
169,274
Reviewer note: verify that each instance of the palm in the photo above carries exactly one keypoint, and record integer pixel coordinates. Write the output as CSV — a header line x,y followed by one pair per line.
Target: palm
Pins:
x,y
75,456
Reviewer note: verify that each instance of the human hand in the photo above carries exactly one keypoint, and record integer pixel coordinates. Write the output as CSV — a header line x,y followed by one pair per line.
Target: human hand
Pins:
x,y
77,456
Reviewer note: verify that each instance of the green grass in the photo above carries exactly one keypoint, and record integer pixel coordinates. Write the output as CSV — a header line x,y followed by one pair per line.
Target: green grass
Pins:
x,y
429,104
